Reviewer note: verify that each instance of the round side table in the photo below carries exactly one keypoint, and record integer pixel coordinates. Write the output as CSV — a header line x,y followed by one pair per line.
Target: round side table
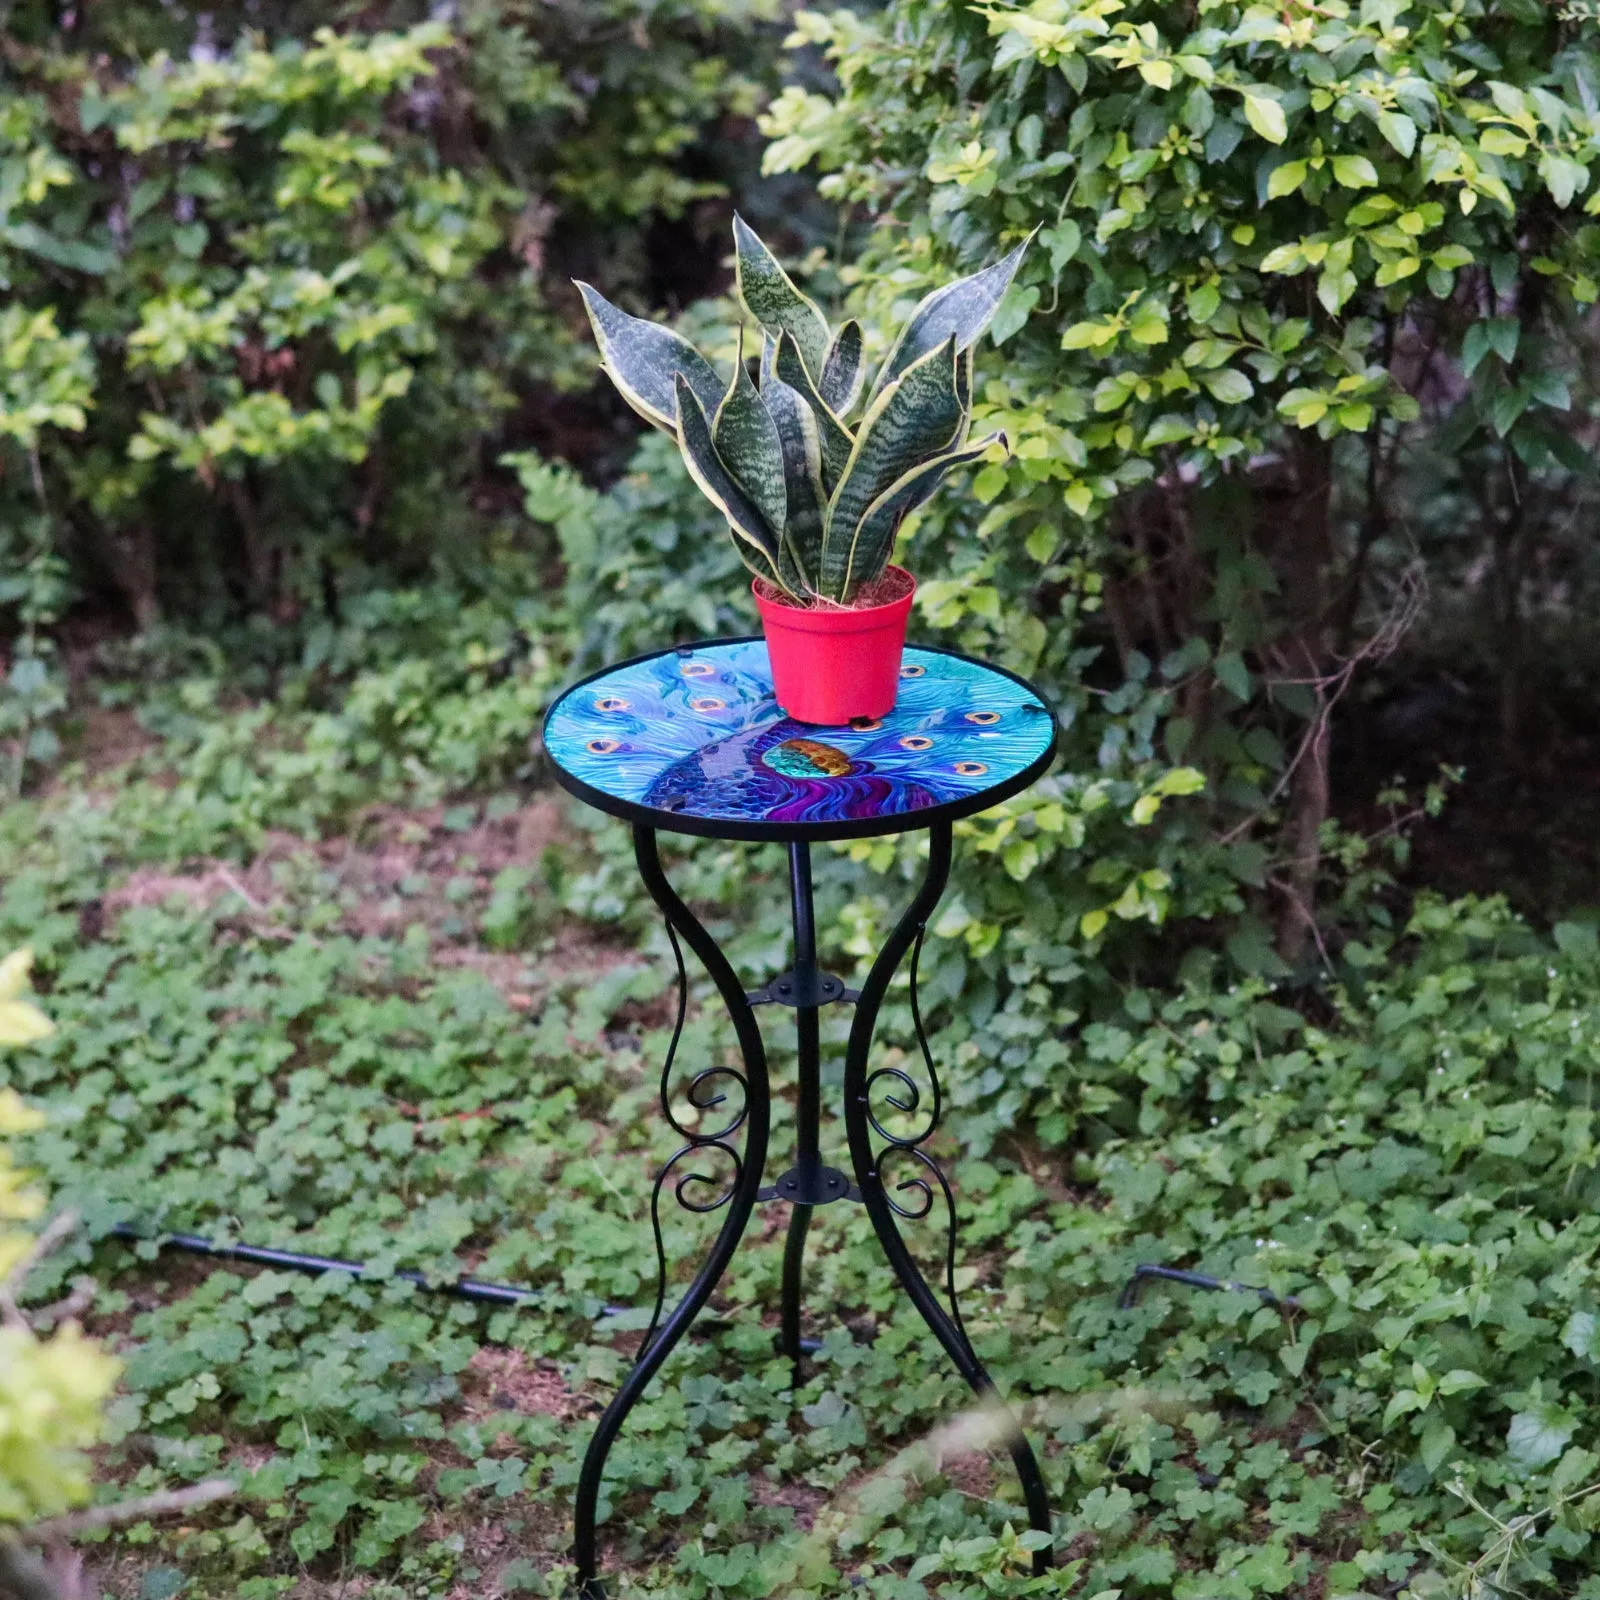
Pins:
x,y
690,740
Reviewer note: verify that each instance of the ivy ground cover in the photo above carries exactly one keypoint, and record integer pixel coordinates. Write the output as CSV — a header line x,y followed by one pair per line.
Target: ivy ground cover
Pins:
x,y
429,1039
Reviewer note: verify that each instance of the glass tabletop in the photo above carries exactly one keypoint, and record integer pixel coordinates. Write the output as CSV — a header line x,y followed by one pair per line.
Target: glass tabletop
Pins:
x,y
690,740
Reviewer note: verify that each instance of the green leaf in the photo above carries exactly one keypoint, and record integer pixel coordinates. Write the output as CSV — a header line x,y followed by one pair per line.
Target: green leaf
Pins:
x,y
873,543
1550,389
1335,285
1563,177
747,443
1507,408
1250,948
645,360
1396,271
1228,385
1202,302
919,416
1198,112
1285,258
1305,407
1286,178
1474,347
1400,1404
1536,1438
756,541
1014,311
1266,116
1504,335
1089,335
1233,674
1438,1439
1062,241
959,311
73,254
1582,1332
1354,172
1502,142
1168,429
844,370
772,299
836,442
1399,130
806,498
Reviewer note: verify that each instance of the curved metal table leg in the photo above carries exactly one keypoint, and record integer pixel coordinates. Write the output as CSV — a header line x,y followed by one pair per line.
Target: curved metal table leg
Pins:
x,y
665,1335
861,1123
794,1256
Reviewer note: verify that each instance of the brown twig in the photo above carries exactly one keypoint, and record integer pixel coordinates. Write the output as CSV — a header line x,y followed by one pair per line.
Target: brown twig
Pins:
x,y
139,1509
60,1228
1329,687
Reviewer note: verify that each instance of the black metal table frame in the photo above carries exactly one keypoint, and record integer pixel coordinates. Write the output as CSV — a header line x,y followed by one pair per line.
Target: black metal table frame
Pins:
x,y
873,1149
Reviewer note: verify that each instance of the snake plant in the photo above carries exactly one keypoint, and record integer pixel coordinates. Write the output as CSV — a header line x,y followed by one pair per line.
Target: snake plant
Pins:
x,y
813,499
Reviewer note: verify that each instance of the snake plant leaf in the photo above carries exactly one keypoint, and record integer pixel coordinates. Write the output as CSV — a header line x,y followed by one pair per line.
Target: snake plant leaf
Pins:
x,y
772,299
835,438
919,416
747,443
756,541
959,311
802,468
873,542
842,372
644,360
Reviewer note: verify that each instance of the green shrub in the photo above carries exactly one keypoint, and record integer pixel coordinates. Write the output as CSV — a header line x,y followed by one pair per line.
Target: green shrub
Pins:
x,y
279,293
1279,250
52,1390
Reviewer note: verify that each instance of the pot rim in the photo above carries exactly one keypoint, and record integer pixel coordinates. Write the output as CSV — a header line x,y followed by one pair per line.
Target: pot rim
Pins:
x,y
776,607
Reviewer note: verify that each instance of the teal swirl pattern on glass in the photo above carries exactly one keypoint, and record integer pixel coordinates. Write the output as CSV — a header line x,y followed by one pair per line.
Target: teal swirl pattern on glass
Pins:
x,y
695,732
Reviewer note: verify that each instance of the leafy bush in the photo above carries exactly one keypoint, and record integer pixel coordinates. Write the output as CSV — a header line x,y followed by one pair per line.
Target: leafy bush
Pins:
x,y
280,292
51,1390
1279,250
644,564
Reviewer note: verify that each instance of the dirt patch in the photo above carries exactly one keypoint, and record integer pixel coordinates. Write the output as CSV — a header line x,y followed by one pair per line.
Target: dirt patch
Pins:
x,y
151,887
397,870
804,1500
508,1380
108,738
972,1474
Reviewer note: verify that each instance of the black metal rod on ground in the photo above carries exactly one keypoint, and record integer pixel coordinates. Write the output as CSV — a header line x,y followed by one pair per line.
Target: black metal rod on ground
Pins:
x,y
504,1294
298,1261
1195,1280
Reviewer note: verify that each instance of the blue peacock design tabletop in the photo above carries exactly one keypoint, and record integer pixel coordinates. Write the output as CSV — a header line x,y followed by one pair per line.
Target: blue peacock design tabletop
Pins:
x,y
691,740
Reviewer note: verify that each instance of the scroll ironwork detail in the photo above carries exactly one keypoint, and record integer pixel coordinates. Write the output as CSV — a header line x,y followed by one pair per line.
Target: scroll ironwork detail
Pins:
x,y
895,1087
696,1191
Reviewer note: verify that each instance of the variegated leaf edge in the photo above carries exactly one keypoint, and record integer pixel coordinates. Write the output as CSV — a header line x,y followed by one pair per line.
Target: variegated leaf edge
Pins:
x,y
916,485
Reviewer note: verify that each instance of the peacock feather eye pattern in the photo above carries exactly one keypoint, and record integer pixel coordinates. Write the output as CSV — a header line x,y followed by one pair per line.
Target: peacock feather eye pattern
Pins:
x,y
694,736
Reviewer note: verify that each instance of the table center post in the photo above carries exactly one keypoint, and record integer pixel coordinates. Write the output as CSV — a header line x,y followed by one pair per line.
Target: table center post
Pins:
x,y
808,1098
808,1109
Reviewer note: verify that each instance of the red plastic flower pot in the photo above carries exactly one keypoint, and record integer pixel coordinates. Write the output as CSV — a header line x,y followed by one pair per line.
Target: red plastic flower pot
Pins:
x,y
831,664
